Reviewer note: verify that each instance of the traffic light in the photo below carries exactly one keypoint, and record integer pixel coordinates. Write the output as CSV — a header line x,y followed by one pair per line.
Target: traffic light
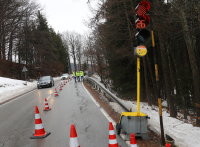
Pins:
x,y
142,36
142,21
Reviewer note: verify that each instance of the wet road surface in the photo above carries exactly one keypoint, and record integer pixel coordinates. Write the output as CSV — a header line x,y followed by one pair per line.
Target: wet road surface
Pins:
x,y
72,106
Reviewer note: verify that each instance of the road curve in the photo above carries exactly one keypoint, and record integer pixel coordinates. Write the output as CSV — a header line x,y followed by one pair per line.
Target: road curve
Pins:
x,y
72,106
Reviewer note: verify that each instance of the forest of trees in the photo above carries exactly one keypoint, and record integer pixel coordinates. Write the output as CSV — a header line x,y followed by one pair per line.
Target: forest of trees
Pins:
x,y
177,49
27,40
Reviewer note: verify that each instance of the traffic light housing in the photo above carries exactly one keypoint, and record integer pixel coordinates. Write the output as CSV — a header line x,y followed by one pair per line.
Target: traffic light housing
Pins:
x,y
142,36
142,21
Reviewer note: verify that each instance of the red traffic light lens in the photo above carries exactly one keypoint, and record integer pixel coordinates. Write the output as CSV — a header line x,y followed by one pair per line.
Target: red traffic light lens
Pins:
x,y
146,18
140,24
146,4
141,10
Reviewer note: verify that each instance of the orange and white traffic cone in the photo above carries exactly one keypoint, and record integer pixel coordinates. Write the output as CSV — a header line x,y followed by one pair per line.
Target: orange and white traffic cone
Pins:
x,y
112,136
46,105
55,92
39,129
167,145
60,88
73,142
132,140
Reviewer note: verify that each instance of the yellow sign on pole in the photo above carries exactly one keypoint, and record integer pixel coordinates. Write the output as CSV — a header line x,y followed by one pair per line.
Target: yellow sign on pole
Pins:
x,y
141,50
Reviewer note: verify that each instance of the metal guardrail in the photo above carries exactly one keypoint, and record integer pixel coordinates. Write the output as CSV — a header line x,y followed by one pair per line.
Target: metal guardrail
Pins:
x,y
97,85
105,91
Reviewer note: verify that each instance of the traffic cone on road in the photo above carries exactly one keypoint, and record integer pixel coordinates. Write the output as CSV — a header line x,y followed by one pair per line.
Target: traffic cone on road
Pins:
x,y
167,145
60,88
55,92
133,140
39,129
46,105
112,136
73,141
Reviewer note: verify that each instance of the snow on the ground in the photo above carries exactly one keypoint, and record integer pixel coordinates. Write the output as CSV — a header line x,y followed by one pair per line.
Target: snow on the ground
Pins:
x,y
97,78
184,134
12,87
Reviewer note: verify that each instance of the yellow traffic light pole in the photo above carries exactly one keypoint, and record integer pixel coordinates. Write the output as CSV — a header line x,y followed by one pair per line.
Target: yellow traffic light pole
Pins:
x,y
138,86
140,51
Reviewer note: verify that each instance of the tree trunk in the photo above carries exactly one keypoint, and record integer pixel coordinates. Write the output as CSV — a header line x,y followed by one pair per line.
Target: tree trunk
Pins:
x,y
10,47
68,61
193,63
167,80
3,47
148,96
179,88
173,84
154,95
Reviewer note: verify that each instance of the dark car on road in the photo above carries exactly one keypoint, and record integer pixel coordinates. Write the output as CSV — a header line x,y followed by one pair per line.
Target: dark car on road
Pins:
x,y
45,81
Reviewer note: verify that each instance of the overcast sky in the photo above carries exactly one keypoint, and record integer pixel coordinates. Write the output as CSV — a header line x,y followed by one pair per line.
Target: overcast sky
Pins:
x,y
66,15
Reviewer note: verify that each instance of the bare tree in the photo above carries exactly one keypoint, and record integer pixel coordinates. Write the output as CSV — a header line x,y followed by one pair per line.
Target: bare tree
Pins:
x,y
12,16
73,40
79,51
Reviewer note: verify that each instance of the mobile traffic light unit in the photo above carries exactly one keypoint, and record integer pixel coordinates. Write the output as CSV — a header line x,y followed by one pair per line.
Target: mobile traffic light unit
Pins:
x,y
136,122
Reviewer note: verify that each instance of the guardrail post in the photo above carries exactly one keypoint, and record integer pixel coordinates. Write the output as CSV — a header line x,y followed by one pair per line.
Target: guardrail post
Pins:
x,y
99,89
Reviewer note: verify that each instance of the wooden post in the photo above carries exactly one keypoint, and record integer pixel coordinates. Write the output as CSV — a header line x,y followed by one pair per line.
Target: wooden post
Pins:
x,y
158,90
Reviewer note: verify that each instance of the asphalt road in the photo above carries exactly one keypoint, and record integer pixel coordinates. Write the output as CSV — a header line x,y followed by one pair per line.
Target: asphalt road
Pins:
x,y
72,106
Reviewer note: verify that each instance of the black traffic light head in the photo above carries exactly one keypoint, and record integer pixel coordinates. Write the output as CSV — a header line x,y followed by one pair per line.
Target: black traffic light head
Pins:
x,y
142,21
142,36
143,18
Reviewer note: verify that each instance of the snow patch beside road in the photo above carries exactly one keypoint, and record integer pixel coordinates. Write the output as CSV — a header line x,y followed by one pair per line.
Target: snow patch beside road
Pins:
x,y
184,134
10,88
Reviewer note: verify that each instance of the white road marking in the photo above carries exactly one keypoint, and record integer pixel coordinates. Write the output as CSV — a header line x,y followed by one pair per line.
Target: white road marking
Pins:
x,y
101,109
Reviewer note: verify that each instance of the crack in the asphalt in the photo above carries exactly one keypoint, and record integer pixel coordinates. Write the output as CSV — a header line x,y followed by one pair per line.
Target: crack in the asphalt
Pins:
x,y
86,128
77,91
81,109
